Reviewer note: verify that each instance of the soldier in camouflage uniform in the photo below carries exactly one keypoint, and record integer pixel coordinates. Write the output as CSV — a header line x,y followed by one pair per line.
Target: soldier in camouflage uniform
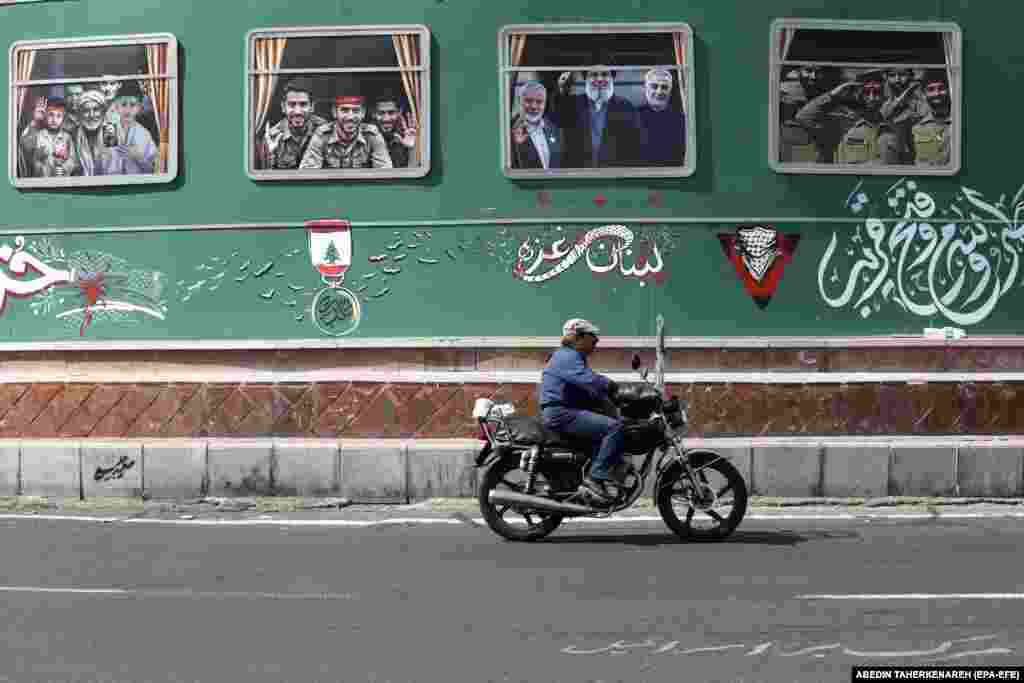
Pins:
x,y
795,143
932,135
860,141
904,106
348,142
284,144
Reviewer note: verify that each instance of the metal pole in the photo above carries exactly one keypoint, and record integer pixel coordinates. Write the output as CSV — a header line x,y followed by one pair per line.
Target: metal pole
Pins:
x,y
660,364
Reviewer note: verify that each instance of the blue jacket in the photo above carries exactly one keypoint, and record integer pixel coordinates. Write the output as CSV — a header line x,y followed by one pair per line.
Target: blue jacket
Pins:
x,y
568,381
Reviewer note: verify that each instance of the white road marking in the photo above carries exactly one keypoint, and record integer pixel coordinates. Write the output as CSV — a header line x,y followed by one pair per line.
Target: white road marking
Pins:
x,y
915,596
461,518
206,595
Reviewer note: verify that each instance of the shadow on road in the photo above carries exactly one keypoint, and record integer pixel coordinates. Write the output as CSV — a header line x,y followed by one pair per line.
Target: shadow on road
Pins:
x,y
739,537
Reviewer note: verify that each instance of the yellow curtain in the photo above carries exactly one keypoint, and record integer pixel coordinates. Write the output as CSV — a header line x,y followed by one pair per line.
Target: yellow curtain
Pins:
x,y
407,50
26,58
23,72
158,88
517,46
269,53
679,42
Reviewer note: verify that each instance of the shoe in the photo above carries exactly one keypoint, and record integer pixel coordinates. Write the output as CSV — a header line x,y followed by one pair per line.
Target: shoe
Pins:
x,y
598,488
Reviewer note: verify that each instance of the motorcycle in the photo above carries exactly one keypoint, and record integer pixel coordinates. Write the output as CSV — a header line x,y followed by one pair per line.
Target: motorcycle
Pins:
x,y
534,474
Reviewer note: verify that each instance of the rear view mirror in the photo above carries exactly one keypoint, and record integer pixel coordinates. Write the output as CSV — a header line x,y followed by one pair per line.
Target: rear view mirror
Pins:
x,y
636,362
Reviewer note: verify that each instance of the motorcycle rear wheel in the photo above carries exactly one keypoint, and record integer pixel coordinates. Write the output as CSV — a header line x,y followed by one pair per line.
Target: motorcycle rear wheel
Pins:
x,y
539,523
671,490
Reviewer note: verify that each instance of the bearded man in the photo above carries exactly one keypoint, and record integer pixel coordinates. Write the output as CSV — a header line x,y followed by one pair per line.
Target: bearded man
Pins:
x,y
599,127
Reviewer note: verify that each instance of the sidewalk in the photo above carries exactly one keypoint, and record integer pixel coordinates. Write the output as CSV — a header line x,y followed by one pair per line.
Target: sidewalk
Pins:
x,y
448,510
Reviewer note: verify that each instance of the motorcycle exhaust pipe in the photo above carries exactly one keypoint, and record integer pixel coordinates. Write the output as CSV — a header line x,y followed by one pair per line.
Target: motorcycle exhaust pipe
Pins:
x,y
539,502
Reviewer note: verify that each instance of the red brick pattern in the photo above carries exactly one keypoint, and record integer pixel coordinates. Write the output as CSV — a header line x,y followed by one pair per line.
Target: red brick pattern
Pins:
x,y
407,410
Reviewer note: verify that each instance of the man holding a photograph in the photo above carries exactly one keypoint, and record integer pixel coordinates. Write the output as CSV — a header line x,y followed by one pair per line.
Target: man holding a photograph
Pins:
x,y
536,141
348,142
399,130
662,131
599,127
285,143
134,152
95,136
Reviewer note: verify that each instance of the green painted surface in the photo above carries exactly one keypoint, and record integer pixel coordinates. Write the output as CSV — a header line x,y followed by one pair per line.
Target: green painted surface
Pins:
x,y
475,293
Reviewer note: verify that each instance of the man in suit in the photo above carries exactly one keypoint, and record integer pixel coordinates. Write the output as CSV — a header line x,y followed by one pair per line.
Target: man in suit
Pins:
x,y
599,127
536,141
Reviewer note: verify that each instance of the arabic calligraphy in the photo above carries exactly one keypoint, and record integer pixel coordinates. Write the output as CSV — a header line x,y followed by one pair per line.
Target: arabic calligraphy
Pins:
x,y
18,261
116,471
956,262
605,250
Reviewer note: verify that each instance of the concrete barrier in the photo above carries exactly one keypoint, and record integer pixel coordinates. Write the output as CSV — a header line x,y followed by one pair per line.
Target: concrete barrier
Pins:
x,y
397,470
111,469
374,471
304,467
10,467
174,468
51,468
239,467
925,470
990,471
442,468
790,470
856,471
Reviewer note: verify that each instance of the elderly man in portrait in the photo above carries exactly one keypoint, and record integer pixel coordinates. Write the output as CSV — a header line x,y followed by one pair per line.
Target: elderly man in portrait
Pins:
x,y
536,140
348,142
662,129
599,127
96,135
284,143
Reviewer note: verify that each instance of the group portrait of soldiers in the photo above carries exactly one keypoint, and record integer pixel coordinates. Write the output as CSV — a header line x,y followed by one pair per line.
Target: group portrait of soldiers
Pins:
x,y
866,117
92,129
359,134
553,128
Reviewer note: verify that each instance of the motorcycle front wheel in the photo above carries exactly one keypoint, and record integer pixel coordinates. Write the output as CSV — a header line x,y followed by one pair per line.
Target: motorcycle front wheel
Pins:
x,y
510,521
711,514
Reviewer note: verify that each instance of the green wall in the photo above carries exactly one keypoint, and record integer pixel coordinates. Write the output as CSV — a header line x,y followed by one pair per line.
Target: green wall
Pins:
x,y
702,295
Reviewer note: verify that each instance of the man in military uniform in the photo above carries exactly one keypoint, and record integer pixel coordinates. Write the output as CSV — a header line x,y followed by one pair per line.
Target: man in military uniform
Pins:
x,y
932,134
50,151
398,129
348,142
904,106
795,143
284,143
828,116
859,143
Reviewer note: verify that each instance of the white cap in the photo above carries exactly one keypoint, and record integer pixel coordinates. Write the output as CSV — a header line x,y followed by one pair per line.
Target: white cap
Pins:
x,y
579,326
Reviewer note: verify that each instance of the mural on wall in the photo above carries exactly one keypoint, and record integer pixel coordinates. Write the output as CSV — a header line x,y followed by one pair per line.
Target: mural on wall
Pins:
x,y
79,287
954,261
605,250
760,254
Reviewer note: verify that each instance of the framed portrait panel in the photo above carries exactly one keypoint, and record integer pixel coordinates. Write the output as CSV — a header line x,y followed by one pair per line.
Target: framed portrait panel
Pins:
x,y
597,100
93,111
338,102
865,98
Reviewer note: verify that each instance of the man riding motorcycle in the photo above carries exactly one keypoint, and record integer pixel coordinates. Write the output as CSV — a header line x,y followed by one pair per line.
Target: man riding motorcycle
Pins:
x,y
573,400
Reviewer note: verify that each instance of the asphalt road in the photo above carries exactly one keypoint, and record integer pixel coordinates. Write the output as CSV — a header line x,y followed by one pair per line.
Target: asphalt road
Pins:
x,y
450,603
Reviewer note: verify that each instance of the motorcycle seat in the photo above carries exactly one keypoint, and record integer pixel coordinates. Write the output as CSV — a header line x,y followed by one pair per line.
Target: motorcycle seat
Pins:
x,y
530,431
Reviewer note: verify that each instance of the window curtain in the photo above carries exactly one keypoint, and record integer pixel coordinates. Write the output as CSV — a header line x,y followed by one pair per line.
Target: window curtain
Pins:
x,y
408,52
23,72
268,55
952,62
158,89
679,42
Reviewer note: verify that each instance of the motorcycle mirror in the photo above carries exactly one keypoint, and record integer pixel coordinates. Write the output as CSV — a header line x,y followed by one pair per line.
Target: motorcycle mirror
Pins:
x,y
636,362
